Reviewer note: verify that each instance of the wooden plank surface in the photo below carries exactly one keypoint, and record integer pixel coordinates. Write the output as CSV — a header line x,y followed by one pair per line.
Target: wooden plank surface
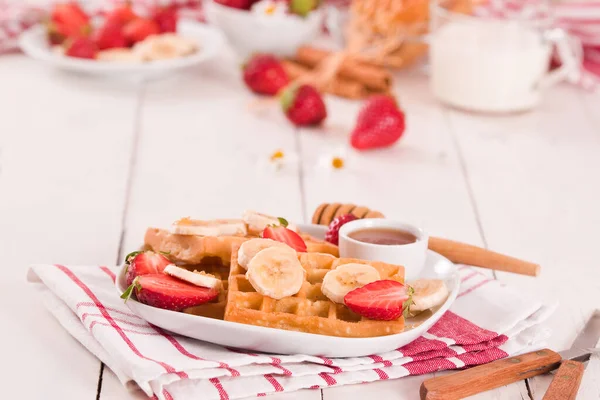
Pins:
x,y
525,185
536,183
64,144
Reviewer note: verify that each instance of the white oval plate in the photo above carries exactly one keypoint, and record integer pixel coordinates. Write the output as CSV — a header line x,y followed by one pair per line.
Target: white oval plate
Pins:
x,y
33,42
270,340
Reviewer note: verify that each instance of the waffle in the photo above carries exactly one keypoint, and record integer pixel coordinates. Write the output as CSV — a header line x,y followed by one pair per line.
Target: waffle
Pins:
x,y
216,308
191,250
308,310
326,212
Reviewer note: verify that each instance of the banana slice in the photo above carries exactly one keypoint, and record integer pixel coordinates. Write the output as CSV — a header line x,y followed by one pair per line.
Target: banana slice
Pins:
x,y
198,278
276,272
345,278
119,55
257,222
428,293
252,247
164,47
217,227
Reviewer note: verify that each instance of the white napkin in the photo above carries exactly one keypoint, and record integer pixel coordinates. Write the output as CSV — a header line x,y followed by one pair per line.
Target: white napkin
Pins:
x,y
488,320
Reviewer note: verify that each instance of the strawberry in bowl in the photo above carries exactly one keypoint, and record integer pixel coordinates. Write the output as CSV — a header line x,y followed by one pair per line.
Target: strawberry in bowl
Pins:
x,y
266,26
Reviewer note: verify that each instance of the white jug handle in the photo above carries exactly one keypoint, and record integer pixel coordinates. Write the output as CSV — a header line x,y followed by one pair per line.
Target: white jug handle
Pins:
x,y
570,55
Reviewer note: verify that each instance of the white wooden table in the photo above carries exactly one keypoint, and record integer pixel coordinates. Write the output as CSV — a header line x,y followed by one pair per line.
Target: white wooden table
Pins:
x,y
87,164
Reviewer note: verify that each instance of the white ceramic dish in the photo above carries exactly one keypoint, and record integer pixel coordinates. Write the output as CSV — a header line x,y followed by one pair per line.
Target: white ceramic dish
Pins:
x,y
209,40
257,338
250,33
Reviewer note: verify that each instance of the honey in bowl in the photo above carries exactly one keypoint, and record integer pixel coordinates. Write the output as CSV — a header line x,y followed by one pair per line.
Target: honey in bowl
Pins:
x,y
384,236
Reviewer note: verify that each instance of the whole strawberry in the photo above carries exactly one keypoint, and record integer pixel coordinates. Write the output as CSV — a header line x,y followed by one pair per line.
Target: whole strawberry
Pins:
x,y
303,105
380,123
333,232
81,48
264,74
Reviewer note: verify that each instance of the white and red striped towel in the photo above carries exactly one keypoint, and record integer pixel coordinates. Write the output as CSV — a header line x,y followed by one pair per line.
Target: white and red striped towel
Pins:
x,y
489,320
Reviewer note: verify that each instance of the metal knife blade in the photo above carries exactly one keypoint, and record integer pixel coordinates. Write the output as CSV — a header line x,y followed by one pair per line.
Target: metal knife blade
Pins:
x,y
585,343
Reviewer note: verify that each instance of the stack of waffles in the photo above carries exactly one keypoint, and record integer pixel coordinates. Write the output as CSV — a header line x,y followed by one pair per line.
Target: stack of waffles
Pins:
x,y
207,246
309,310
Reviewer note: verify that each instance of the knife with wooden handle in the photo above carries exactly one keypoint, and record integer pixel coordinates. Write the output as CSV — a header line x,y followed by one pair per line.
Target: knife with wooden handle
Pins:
x,y
566,382
489,376
502,372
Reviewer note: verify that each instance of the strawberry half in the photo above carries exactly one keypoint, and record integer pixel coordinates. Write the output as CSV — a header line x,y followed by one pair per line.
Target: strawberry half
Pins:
x,y
166,18
166,292
139,29
144,263
110,35
380,300
81,48
70,20
285,235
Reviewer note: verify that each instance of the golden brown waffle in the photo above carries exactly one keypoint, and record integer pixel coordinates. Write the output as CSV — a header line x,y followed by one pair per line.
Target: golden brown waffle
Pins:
x,y
191,250
326,212
216,308
309,310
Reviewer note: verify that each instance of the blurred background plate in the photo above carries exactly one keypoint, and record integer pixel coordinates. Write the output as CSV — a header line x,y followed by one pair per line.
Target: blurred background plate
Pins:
x,y
209,40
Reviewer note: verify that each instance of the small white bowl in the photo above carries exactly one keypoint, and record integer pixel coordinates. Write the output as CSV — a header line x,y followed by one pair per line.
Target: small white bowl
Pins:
x,y
250,33
411,255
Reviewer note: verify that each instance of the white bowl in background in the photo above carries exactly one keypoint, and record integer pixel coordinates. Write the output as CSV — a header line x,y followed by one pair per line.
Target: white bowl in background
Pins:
x,y
250,33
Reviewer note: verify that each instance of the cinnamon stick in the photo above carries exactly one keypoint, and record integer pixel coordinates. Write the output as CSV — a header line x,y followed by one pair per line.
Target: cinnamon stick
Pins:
x,y
373,77
338,86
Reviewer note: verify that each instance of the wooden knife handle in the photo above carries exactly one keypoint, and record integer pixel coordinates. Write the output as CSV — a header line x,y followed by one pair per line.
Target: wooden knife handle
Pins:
x,y
489,376
463,253
566,382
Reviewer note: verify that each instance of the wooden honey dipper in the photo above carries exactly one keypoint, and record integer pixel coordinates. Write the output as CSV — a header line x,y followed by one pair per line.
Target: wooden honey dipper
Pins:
x,y
460,253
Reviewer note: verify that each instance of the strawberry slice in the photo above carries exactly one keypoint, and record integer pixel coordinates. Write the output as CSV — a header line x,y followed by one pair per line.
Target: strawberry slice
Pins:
x,y
384,300
285,235
144,263
166,292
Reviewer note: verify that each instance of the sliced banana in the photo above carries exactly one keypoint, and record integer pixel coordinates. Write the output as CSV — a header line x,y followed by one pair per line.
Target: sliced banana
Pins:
x,y
257,222
276,272
428,293
198,278
345,278
119,55
252,247
164,47
217,227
